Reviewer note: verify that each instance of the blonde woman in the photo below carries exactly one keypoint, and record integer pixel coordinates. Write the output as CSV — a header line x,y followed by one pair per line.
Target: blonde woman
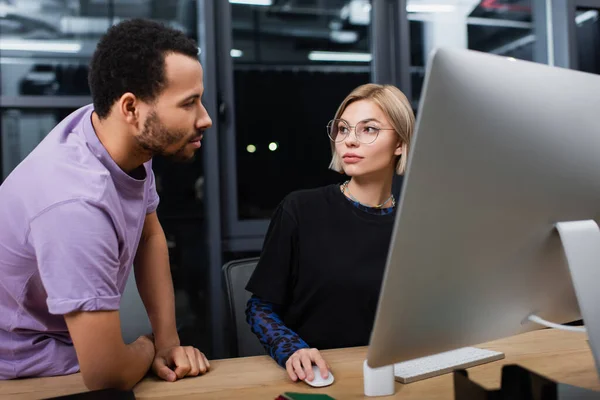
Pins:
x,y
317,283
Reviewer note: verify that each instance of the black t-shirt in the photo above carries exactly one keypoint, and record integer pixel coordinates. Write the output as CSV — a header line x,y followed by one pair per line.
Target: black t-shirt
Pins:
x,y
323,261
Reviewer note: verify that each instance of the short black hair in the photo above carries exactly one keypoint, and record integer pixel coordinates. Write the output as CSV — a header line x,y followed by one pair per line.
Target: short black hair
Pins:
x,y
130,57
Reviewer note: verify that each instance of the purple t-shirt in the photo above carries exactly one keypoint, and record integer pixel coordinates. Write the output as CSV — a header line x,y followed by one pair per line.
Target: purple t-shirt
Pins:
x,y
70,224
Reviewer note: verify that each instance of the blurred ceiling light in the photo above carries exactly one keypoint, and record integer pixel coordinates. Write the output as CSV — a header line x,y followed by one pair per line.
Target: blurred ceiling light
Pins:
x,y
253,2
273,146
336,25
343,36
339,56
585,16
236,53
5,9
47,46
430,8
357,12
251,148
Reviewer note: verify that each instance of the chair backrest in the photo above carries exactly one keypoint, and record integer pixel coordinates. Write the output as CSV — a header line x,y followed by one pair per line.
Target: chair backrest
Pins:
x,y
133,315
237,273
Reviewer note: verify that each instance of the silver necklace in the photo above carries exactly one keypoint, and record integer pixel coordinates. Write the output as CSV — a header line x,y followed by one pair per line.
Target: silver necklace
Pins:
x,y
346,191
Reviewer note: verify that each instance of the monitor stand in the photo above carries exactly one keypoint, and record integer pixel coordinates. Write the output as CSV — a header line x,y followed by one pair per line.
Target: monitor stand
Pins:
x,y
581,243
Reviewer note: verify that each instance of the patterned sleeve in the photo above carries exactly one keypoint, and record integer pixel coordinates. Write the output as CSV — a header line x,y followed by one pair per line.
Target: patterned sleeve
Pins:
x,y
277,339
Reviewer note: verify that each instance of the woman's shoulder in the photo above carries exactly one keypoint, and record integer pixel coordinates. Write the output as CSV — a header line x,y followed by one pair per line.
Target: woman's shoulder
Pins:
x,y
311,196
300,201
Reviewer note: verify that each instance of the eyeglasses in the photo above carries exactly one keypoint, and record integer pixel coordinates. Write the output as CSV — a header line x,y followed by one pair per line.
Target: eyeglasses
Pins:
x,y
365,131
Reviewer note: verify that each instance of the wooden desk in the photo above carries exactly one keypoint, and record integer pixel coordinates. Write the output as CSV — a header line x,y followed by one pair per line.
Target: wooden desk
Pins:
x,y
562,356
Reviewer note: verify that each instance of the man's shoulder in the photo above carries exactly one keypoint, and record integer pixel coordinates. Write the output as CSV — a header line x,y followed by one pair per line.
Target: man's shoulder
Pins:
x,y
54,175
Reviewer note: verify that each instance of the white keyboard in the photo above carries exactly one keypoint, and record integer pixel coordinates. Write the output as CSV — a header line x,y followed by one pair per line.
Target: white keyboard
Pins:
x,y
443,363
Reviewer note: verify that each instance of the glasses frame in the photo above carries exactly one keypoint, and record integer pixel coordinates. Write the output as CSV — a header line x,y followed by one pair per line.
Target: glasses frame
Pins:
x,y
331,123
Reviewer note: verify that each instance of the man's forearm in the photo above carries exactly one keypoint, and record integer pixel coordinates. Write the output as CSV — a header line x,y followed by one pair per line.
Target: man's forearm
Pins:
x,y
104,359
155,285
133,366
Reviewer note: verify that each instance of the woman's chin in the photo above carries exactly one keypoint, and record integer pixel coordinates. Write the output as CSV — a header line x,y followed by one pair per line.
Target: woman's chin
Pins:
x,y
353,170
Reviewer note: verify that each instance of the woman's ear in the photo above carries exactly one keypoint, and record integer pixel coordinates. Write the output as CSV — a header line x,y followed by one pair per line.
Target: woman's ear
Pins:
x,y
399,148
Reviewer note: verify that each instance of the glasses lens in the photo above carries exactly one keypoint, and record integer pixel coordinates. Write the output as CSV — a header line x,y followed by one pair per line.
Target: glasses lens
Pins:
x,y
366,132
337,130
331,130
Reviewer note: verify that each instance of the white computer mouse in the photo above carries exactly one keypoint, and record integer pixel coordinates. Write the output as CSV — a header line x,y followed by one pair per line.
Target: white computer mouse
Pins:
x,y
318,380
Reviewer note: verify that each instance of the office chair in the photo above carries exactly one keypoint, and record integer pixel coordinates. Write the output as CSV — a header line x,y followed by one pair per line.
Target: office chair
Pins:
x,y
133,315
237,273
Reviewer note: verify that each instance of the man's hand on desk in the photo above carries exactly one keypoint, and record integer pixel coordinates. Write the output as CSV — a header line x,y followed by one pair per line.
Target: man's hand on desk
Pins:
x,y
177,362
299,365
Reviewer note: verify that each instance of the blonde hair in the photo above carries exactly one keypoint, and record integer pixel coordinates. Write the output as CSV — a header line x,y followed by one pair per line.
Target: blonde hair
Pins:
x,y
397,110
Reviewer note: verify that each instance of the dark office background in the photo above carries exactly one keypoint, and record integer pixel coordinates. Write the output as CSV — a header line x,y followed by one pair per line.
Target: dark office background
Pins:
x,y
282,101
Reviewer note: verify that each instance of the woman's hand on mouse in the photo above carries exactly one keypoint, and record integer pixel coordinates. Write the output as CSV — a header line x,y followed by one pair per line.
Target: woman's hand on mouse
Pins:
x,y
299,365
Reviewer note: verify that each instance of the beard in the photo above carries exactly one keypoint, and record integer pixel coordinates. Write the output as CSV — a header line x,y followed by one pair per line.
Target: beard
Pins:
x,y
156,138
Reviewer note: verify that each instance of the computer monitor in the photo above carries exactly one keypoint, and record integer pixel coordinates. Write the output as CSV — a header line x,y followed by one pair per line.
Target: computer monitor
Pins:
x,y
503,151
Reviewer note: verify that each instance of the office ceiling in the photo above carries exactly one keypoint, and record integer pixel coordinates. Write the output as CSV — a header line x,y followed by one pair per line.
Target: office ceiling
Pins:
x,y
296,25
343,25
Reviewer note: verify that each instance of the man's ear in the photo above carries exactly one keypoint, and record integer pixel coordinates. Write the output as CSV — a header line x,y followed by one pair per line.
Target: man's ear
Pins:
x,y
128,107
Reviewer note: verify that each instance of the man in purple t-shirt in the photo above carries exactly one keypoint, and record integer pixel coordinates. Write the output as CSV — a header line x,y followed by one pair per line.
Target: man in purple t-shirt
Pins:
x,y
80,211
